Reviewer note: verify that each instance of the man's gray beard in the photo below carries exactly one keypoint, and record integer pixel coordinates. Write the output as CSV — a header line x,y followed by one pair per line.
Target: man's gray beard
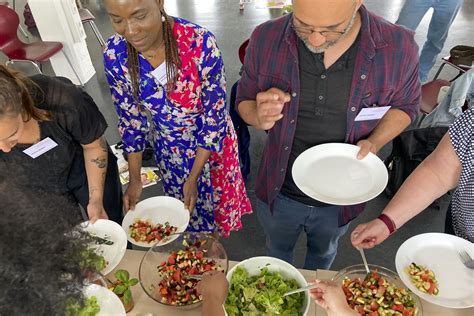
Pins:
x,y
316,50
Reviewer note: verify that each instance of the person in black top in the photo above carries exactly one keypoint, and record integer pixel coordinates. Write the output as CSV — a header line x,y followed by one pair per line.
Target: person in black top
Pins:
x,y
51,139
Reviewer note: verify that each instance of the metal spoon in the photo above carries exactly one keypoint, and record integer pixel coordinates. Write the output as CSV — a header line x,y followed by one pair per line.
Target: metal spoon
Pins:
x,y
301,289
361,250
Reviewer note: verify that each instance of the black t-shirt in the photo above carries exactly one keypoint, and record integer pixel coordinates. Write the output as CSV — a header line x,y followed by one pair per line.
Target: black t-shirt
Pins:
x,y
322,113
75,120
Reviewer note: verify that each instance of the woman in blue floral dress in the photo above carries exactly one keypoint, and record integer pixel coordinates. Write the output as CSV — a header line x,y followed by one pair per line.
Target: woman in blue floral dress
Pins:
x,y
167,81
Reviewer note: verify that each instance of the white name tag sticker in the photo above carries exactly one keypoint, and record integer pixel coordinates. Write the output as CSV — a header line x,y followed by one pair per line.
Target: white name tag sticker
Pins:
x,y
367,114
160,74
40,148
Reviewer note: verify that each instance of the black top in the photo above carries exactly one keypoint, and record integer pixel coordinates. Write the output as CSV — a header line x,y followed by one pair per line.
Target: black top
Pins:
x,y
75,120
322,111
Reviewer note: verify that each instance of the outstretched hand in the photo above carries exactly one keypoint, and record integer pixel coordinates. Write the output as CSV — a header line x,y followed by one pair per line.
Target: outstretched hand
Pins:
x,y
370,234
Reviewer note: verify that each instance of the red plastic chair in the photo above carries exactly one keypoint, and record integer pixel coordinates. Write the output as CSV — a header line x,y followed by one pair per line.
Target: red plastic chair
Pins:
x,y
17,51
243,50
429,94
22,30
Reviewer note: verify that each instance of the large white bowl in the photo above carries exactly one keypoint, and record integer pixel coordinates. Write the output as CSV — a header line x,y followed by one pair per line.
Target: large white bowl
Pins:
x,y
112,231
109,303
158,209
255,264
439,253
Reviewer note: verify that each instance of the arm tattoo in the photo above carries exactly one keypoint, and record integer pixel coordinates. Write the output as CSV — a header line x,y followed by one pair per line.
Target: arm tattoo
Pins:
x,y
100,162
103,144
92,190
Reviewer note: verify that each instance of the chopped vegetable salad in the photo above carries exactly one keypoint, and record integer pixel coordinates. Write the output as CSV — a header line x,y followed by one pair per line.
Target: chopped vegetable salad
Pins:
x,y
175,288
147,232
423,278
375,296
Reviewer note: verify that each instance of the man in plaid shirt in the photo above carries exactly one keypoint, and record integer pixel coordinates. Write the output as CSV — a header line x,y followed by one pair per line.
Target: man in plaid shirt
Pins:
x,y
306,77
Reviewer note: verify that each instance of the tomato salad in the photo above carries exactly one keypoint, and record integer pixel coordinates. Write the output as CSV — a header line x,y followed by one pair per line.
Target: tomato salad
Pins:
x,y
375,296
145,231
176,288
423,278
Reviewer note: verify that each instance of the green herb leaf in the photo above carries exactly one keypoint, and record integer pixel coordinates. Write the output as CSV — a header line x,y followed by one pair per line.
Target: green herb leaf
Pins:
x,y
122,275
127,296
120,289
133,282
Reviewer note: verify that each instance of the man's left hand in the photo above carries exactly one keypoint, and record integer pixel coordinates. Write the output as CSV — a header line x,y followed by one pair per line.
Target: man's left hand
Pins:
x,y
366,146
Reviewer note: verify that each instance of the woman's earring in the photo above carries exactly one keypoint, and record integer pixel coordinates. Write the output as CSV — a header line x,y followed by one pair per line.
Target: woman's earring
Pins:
x,y
163,19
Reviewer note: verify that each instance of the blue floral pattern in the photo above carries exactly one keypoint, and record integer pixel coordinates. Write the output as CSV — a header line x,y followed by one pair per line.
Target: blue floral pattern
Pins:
x,y
193,115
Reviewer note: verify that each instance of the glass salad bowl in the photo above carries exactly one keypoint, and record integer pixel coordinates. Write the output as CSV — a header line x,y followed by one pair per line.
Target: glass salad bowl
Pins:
x,y
389,294
169,271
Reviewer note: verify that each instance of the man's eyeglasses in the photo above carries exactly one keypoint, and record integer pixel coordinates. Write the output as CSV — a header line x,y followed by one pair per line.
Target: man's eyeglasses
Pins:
x,y
308,30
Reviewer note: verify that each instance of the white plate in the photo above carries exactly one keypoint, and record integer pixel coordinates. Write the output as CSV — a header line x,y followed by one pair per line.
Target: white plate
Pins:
x,y
331,173
255,264
112,231
158,209
439,253
110,304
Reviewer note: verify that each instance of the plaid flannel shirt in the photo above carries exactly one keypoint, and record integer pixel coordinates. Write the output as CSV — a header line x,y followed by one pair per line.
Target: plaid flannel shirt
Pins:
x,y
385,73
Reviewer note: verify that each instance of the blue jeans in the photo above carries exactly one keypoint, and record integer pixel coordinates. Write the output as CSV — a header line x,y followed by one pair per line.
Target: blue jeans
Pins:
x,y
289,219
443,16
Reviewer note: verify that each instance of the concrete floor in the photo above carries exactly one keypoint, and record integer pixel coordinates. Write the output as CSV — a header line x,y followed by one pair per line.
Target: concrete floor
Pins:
x,y
231,28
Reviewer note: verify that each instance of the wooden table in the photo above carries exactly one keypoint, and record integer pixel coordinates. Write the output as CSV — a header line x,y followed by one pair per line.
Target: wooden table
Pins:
x,y
145,306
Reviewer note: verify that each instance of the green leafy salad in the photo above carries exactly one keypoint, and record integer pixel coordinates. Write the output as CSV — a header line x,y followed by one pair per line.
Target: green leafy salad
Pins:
x,y
262,294
91,307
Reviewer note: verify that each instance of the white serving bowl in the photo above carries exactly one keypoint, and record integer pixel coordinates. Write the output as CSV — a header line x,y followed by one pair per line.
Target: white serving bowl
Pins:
x,y
255,264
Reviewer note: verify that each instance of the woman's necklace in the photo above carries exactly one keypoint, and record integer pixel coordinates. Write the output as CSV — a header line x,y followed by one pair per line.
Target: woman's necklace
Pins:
x,y
155,52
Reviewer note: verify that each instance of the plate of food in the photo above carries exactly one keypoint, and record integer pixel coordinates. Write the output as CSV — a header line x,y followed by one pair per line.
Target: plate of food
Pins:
x,y
108,241
155,219
380,291
102,301
169,271
331,173
257,285
430,266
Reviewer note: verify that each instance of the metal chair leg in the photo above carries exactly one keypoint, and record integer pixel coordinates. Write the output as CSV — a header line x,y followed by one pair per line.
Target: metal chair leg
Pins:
x,y
73,69
439,71
35,65
23,31
97,33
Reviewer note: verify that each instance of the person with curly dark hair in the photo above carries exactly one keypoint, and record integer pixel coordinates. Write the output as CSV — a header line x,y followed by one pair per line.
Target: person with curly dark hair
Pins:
x,y
51,132
41,261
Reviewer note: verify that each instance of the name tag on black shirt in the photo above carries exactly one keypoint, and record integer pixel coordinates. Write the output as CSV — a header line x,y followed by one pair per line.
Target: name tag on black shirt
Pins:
x,y
40,148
